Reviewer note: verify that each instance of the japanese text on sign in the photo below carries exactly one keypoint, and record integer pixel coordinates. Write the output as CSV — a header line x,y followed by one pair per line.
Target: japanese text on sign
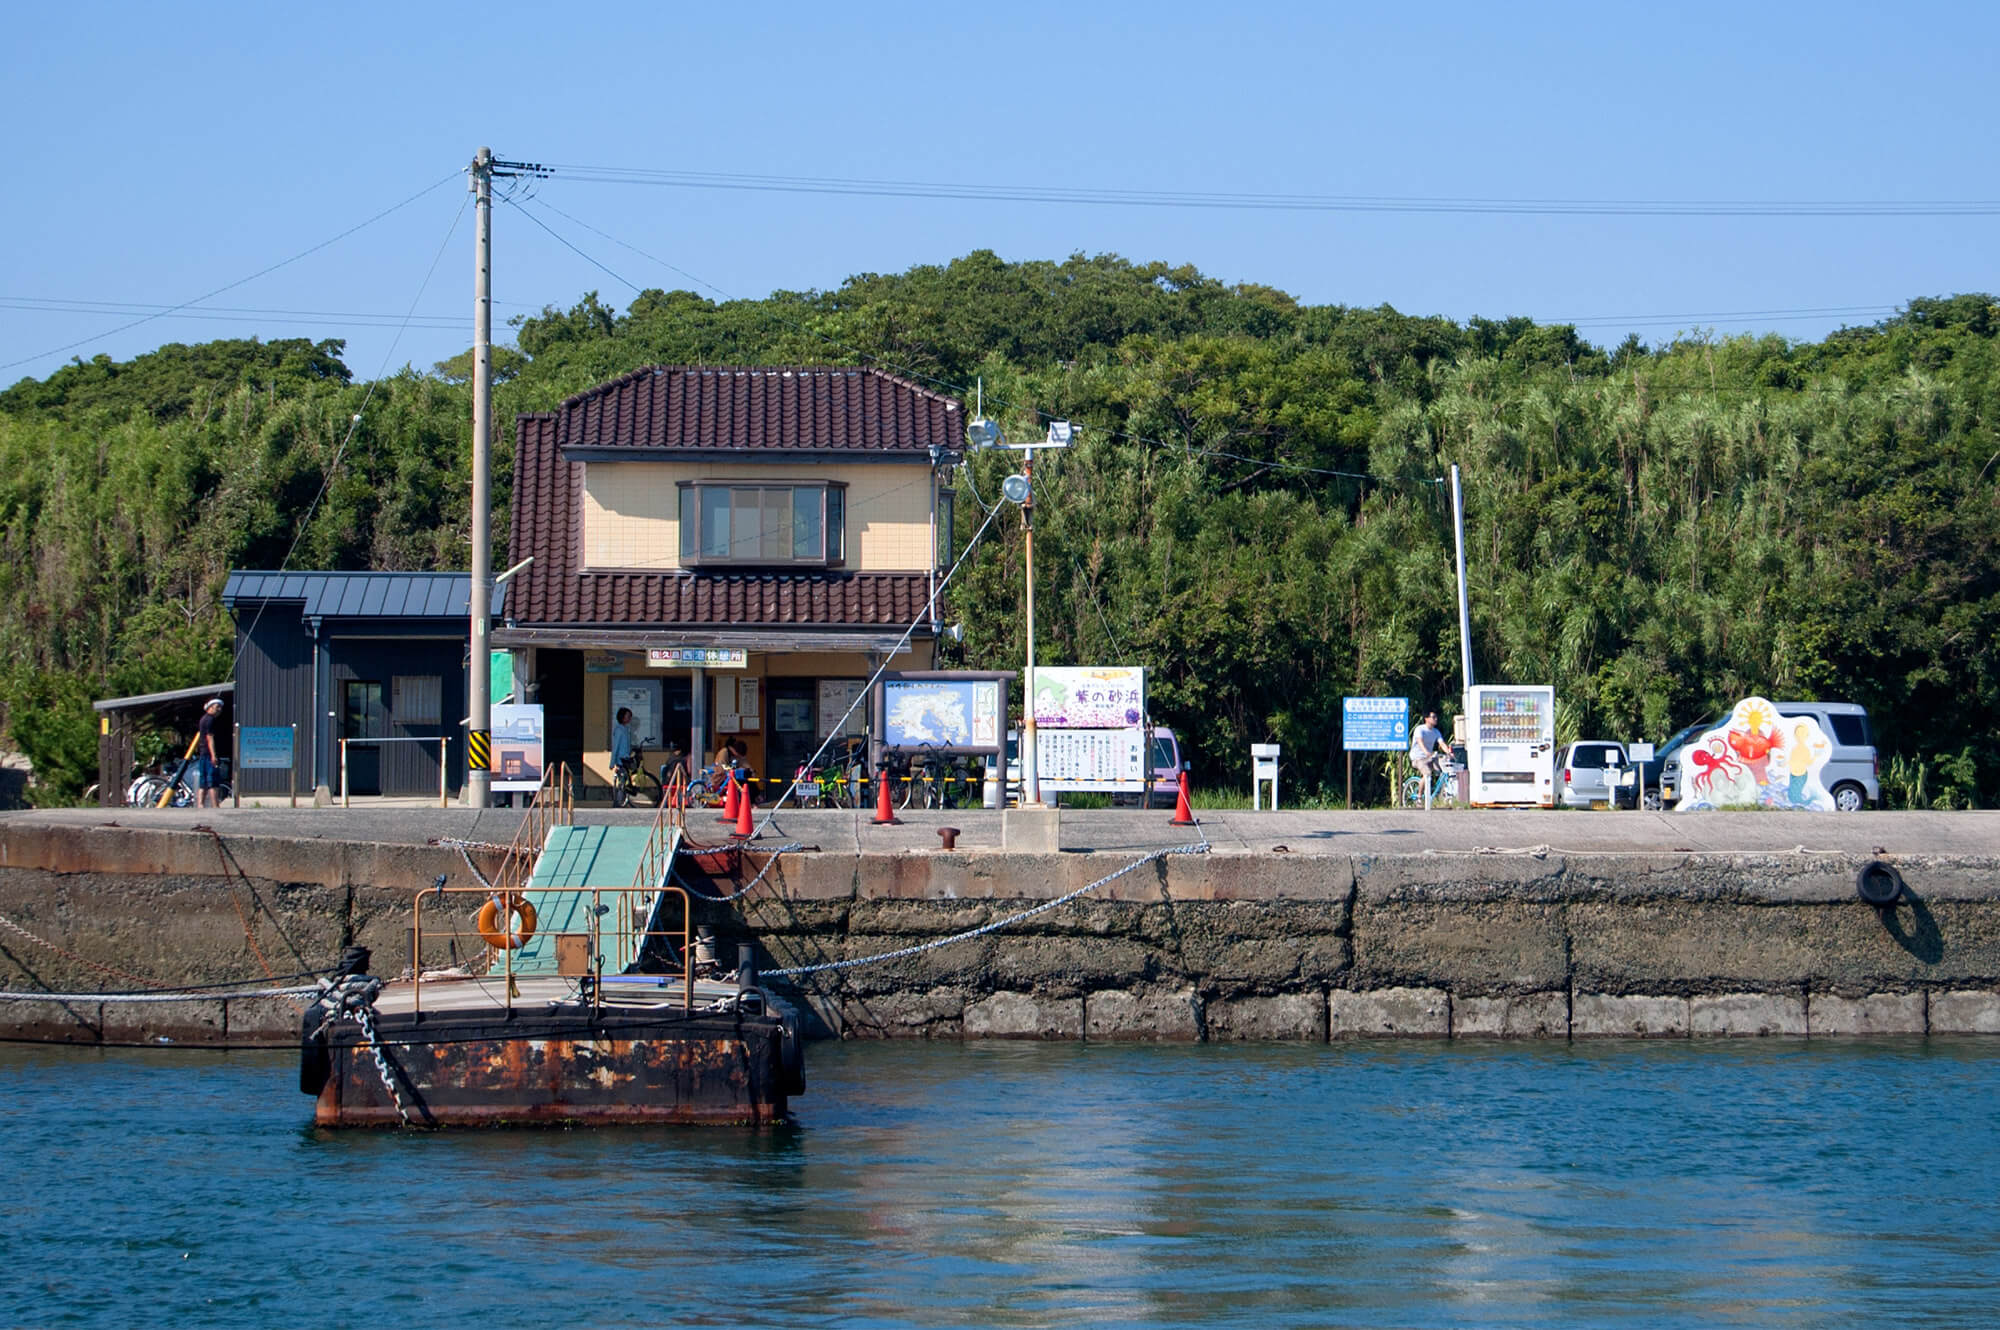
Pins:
x,y
1374,724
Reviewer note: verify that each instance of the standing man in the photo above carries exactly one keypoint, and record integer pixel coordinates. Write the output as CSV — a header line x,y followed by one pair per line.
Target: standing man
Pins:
x,y
623,745
1428,751
204,756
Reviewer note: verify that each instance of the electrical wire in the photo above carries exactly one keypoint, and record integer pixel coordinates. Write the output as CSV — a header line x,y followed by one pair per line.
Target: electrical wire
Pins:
x,y
231,286
919,376
1258,202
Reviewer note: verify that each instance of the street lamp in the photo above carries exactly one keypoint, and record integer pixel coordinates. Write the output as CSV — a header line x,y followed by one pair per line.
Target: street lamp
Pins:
x,y
1021,489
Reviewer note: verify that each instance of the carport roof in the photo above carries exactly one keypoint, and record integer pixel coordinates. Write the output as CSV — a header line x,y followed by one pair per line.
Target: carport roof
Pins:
x,y
361,595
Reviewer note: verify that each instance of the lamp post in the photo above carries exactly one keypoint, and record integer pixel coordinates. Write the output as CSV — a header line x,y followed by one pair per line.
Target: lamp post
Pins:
x,y
1021,489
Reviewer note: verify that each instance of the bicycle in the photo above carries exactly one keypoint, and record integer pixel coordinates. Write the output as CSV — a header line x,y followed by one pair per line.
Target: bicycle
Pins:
x,y
631,783
145,791
940,779
1444,794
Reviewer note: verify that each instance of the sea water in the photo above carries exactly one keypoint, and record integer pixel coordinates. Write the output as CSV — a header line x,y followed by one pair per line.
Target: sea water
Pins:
x,y
1742,1183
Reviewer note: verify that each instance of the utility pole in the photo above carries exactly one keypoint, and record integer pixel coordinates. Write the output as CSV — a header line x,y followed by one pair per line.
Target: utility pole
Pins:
x,y
479,723
479,734
1464,607
1031,781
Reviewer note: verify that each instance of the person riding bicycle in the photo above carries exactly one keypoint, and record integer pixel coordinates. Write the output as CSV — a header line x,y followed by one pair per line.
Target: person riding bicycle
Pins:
x,y
1428,750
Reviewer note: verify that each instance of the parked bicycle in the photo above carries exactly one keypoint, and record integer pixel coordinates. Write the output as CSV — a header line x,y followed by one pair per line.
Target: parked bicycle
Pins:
x,y
938,780
632,784
1444,791
838,781
147,787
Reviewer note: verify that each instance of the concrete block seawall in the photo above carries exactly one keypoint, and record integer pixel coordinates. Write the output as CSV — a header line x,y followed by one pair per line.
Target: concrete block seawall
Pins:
x,y
1230,945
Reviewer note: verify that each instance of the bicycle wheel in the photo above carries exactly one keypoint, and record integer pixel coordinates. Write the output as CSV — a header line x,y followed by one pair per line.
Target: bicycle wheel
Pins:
x,y
1446,795
644,789
905,787
1413,792
148,791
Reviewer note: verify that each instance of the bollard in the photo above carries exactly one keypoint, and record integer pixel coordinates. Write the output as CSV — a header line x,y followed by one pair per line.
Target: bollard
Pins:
x,y
950,837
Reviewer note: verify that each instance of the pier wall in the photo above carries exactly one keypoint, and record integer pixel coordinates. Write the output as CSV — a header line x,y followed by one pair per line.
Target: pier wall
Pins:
x,y
1223,946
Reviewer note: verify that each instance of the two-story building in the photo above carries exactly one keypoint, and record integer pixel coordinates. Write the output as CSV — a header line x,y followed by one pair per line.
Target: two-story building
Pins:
x,y
728,551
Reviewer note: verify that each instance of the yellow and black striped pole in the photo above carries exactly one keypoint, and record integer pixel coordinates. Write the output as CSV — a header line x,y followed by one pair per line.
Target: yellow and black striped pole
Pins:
x,y
479,750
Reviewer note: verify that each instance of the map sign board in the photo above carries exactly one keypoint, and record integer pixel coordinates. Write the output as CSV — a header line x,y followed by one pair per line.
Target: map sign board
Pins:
x,y
1374,724
1090,697
941,713
264,747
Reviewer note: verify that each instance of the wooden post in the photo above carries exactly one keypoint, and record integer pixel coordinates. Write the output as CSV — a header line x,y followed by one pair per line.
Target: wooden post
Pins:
x,y
1350,780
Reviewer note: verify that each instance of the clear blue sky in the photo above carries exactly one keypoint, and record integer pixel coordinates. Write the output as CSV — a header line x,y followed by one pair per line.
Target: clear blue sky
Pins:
x,y
158,152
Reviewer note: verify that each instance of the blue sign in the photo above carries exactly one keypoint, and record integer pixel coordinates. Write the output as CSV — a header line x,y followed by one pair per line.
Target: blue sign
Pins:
x,y
1374,724
265,747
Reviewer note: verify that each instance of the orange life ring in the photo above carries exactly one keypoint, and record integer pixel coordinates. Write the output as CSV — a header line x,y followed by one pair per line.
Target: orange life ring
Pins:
x,y
500,911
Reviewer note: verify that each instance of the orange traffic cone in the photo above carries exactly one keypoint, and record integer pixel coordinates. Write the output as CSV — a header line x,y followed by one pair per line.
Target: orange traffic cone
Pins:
x,y
745,828
729,796
1183,815
885,813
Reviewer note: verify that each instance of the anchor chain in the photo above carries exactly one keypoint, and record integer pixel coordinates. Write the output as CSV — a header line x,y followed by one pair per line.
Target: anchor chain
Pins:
x,y
352,997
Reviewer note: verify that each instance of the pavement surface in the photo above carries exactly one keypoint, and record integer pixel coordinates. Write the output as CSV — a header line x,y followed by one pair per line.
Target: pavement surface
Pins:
x,y
1375,832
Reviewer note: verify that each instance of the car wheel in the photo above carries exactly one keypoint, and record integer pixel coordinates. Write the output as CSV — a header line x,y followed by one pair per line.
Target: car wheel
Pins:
x,y
1849,797
1653,801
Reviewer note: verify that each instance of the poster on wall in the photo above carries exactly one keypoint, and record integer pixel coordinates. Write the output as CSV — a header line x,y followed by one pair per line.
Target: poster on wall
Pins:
x,y
643,696
838,699
1090,759
747,693
517,747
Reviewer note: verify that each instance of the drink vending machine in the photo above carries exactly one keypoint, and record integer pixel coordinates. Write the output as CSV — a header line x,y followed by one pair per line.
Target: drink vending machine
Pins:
x,y
1510,752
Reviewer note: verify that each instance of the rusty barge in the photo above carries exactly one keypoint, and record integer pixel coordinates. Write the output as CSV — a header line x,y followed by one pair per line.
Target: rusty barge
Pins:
x,y
590,1001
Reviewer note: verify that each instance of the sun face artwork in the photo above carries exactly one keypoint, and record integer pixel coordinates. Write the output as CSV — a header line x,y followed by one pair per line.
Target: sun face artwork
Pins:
x,y
1757,759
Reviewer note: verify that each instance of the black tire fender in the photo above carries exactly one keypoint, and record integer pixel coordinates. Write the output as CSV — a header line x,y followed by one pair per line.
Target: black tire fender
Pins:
x,y
315,1062
1879,883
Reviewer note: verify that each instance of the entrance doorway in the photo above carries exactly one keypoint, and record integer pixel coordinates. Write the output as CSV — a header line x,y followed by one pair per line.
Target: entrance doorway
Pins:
x,y
363,716
794,731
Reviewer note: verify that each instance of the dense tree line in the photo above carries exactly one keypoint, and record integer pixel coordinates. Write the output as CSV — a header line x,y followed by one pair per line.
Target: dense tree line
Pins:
x,y
1254,507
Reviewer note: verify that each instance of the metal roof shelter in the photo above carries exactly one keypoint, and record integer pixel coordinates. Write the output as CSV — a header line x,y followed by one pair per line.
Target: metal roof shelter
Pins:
x,y
354,655
116,717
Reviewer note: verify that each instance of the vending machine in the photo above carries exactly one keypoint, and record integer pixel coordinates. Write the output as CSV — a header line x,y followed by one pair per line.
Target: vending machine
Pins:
x,y
1511,749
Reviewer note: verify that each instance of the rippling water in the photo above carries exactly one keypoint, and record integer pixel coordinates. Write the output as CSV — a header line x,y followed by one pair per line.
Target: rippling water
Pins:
x,y
1741,1183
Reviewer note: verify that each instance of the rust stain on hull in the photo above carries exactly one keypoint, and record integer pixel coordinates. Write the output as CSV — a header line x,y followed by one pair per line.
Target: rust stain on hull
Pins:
x,y
537,1070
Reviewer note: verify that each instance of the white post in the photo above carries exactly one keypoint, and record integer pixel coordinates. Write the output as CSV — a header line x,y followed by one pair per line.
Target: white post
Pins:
x,y
444,789
344,801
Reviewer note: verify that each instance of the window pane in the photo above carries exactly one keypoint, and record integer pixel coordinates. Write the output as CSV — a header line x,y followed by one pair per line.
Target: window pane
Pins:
x,y
806,540
714,523
690,521
415,699
745,524
836,519
777,544
1848,730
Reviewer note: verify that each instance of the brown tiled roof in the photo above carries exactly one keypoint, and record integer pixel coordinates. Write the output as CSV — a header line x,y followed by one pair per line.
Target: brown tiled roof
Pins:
x,y
548,525
741,409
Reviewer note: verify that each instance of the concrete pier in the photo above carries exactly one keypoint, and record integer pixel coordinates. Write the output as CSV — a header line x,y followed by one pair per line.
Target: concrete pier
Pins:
x,y
1310,926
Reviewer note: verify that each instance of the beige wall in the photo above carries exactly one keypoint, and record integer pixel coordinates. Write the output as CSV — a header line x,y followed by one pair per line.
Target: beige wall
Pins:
x,y
631,510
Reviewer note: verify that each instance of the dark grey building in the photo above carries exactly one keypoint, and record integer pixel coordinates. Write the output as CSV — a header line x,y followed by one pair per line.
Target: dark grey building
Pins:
x,y
356,656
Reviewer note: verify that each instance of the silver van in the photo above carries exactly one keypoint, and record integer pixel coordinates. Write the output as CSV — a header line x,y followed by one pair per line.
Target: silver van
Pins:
x,y
1852,775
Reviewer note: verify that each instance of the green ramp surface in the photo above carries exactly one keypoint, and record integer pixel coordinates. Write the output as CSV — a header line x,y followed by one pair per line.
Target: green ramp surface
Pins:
x,y
573,861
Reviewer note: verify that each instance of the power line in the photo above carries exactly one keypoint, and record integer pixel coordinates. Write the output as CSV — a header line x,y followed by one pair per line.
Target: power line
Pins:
x,y
918,375
231,286
1353,203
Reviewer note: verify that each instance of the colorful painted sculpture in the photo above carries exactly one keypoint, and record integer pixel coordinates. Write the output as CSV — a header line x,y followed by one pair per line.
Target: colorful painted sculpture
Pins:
x,y
1757,759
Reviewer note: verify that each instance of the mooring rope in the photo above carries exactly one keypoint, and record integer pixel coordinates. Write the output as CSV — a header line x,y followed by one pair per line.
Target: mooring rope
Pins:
x,y
1199,847
774,851
175,995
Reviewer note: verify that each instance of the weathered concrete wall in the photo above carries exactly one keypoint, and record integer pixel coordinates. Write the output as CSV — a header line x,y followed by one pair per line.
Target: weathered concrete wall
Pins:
x,y
1223,946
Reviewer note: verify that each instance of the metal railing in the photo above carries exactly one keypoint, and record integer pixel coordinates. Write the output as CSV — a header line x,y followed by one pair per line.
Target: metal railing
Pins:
x,y
554,805
622,928
444,764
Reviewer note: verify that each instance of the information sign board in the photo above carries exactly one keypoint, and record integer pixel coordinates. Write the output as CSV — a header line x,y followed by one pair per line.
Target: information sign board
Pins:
x,y
941,713
265,747
1090,759
711,658
517,746
1090,697
1374,724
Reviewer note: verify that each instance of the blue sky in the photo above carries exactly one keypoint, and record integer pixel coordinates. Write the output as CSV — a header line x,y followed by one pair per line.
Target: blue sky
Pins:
x,y
160,152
